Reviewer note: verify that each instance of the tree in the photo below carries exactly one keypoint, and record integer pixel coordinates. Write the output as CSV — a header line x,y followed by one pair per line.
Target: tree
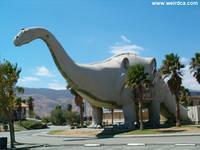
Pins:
x,y
185,99
18,103
195,66
57,116
9,75
171,68
138,80
112,116
78,101
72,117
69,107
80,104
30,106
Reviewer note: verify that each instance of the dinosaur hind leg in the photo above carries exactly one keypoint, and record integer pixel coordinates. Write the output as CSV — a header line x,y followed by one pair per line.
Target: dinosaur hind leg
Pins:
x,y
97,116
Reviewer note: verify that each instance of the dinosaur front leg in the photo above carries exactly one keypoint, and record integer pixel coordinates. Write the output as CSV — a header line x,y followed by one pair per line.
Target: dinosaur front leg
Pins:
x,y
97,116
154,113
129,115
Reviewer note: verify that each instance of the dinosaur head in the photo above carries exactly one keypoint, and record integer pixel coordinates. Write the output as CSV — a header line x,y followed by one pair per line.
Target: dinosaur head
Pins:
x,y
23,37
148,63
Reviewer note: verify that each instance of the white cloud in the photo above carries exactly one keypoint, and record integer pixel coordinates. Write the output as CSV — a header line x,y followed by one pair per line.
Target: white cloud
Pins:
x,y
128,48
125,39
43,71
188,80
185,60
57,86
125,46
29,79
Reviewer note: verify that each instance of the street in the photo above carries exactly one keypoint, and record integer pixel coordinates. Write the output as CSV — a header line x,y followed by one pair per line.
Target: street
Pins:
x,y
39,137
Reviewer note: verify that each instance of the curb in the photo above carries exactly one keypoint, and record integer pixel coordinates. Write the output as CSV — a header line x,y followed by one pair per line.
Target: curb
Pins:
x,y
122,136
159,135
99,145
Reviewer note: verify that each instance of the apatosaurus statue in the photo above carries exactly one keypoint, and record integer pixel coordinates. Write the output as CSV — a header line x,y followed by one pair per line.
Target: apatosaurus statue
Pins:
x,y
102,84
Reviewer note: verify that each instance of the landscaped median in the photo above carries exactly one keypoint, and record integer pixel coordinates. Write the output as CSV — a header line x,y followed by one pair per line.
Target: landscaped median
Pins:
x,y
33,124
82,132
86,132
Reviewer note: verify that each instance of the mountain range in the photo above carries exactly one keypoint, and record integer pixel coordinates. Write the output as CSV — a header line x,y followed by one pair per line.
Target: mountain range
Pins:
x,y
45,100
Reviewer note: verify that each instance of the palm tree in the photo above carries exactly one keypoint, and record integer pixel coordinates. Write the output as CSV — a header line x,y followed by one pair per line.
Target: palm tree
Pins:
x,y
138,80
80,104
112,116
9,75
171,68
185,99
18,102
78,101
195,66
30,106
69,107
19,108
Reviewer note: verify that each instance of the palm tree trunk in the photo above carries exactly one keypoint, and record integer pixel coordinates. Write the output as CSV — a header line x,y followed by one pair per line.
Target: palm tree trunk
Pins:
x,y
140,94
178,122
81,115
140,115
112,116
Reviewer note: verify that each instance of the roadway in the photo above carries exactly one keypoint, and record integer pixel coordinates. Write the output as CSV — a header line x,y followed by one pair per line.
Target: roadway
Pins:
x,y
40,137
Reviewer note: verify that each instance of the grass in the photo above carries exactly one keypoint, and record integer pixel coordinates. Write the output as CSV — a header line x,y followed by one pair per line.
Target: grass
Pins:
x,y
56,132
110,133
145,131
18,127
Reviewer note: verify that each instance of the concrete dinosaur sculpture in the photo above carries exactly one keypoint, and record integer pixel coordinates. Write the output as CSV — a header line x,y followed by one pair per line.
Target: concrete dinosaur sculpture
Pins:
x,y
102,84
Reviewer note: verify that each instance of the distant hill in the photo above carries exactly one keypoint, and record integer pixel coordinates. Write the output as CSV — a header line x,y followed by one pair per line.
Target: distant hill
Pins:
x,y
45,100
195,93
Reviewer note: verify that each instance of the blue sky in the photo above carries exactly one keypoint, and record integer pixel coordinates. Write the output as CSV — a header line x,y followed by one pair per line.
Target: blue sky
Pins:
x,y
93,30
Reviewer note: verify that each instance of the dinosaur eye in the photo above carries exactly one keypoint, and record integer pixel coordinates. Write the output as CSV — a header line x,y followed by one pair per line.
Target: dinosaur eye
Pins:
x,y
17,37
125,63
22,29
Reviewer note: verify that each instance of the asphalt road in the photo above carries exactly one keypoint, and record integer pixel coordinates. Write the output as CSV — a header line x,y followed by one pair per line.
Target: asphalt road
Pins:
x,y
38,137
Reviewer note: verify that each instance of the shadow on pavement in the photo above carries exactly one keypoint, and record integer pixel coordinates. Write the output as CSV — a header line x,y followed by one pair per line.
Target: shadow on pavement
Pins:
x,y
81,139
110,132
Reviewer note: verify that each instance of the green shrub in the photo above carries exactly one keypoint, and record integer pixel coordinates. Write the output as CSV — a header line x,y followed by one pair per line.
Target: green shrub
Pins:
x,y
57,116
45,119
32,124
63,117
72,118
5,127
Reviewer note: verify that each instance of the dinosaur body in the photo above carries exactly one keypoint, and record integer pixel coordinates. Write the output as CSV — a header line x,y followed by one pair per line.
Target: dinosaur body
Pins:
x,y
102,83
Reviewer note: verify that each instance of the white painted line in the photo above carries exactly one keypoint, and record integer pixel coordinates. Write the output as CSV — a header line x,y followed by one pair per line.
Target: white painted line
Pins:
x,y
185,144
136,144
92,145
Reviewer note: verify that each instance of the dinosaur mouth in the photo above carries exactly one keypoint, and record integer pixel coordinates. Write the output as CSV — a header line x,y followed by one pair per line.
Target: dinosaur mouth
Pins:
x,y
16,42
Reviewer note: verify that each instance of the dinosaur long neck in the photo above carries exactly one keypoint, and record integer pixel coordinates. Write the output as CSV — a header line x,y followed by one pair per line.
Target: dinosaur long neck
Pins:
x,y
64,63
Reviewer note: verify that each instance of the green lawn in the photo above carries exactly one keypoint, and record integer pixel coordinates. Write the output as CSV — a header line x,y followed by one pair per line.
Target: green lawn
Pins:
x,y
110,133
145,131
55,132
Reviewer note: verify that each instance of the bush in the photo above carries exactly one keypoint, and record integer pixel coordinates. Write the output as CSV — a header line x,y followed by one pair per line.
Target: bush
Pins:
x,y
63,117
72,118
5,127
45,119
57,116
32,124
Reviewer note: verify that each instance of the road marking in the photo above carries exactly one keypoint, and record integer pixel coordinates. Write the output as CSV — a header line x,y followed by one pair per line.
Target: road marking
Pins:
x,y
185,144
136,144
92,145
